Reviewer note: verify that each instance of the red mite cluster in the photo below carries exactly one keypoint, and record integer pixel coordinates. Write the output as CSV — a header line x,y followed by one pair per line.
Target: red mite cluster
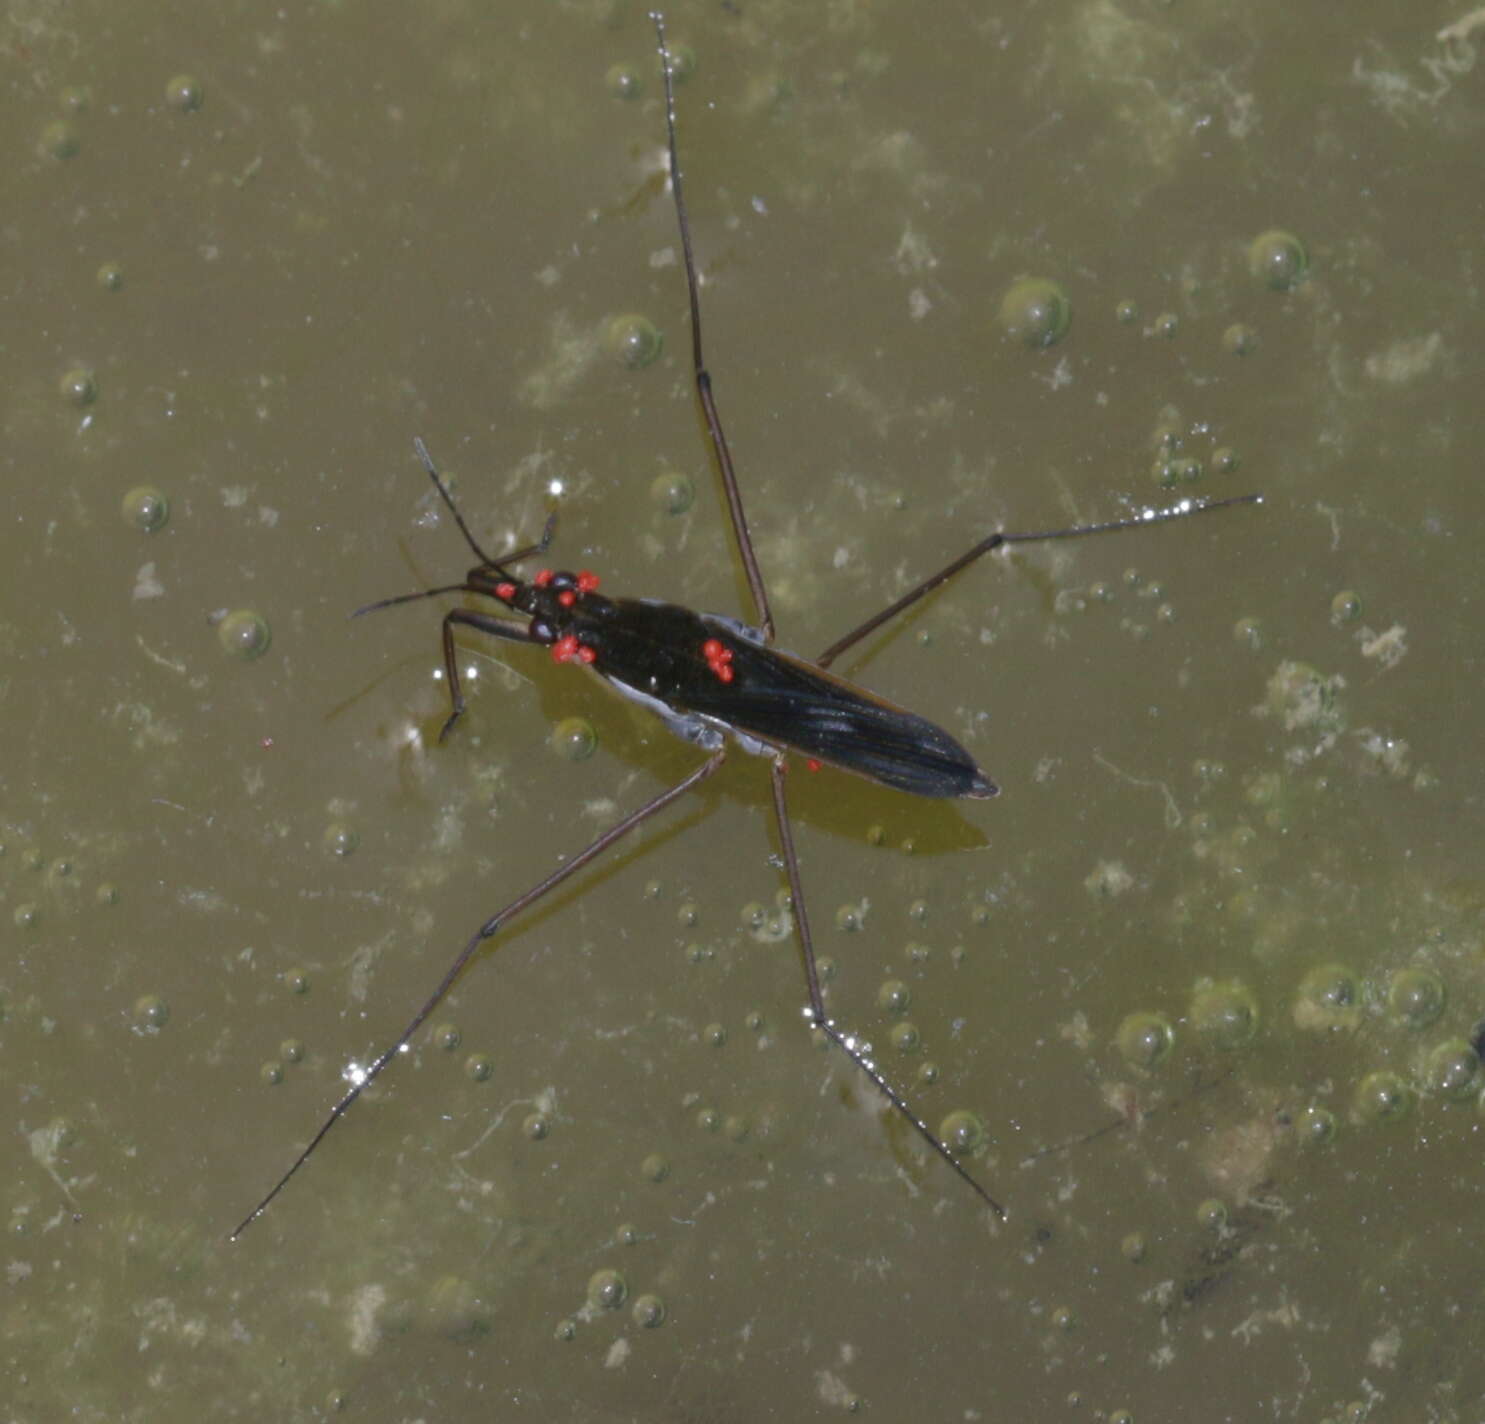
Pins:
x,y
570,649
585,582
718,658
567,648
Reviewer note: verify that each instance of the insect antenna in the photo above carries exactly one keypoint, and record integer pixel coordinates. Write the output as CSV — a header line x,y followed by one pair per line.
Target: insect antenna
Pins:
x,y
500,565
516,555
448,499
411,597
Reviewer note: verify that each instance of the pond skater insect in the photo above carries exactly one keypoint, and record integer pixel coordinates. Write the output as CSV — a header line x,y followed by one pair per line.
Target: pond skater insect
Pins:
x,y
713,679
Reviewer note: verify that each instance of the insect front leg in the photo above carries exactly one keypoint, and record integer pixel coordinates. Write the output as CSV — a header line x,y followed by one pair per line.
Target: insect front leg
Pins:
x,y
483,623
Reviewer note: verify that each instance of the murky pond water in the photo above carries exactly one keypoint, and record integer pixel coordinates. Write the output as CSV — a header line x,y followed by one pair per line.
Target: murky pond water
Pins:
x,y
1208,972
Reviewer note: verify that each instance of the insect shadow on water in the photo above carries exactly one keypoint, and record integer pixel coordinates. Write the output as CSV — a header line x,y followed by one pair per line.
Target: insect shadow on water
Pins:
x,y
712,679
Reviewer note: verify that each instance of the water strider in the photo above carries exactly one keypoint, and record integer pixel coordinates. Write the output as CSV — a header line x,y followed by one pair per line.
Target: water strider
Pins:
x,y
714,681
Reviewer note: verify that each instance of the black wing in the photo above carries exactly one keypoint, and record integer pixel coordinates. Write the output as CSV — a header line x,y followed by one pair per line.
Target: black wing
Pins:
x,y
657,648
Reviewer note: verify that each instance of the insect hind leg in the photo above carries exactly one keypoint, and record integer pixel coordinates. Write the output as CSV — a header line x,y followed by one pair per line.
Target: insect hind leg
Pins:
x,y
821,1020
486,931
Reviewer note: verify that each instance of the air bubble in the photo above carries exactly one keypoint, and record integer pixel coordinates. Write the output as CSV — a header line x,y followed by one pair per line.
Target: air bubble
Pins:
x,y
673,491
151,1013
1453,1069
962,1132
478,1068
1249,633
1415,997
244,634
1240,339
1382,1097
1225,1014
1278,259
1037,311
655,1168
185,93
606,1290
682,62
58,139
1316,1126
146,508
1329,998
848,918
573,739
339,839
633,341
894,997
648,1311
78,386
623,82
1145,1040
1211,1214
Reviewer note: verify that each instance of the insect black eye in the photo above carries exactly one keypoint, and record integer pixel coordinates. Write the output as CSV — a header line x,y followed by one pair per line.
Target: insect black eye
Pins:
x,y
542,631
563,581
